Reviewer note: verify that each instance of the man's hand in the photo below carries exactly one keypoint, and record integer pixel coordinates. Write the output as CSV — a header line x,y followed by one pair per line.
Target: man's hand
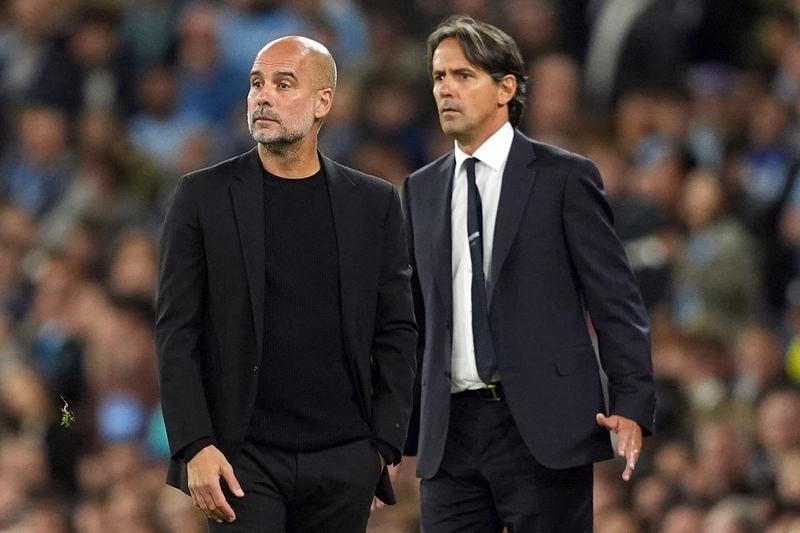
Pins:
x,y
394,470
629,439
204,471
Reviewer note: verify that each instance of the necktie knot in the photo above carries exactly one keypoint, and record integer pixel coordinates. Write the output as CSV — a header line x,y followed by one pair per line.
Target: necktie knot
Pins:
x,y
469,165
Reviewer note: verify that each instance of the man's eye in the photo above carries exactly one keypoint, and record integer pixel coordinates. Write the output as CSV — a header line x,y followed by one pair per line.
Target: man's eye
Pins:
x,y
256,83
283,85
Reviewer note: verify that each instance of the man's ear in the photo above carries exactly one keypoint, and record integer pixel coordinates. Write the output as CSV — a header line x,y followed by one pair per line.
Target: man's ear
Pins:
x,y
324,103
506,89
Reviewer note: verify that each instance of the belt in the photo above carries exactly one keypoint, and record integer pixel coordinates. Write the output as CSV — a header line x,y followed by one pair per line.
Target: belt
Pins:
x,y
493,393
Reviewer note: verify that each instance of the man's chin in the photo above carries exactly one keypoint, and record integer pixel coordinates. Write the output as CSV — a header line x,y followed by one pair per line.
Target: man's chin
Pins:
x,y
450,128
277,144
265,139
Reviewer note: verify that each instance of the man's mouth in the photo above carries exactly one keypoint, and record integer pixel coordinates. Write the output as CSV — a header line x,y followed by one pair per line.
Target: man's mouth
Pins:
x,y
265,118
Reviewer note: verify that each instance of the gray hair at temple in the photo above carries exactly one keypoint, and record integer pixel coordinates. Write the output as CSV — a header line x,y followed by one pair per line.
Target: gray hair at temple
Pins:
x,y
488,48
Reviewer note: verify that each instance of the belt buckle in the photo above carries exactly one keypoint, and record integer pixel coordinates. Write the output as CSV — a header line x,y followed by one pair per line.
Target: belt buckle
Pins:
x,y
494,394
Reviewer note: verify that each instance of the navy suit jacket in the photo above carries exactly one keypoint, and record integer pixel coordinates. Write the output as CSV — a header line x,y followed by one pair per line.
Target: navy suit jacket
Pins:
x,y
210,309
555,258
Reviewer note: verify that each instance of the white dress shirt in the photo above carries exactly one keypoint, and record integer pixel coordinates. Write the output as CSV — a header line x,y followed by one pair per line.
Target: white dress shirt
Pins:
x,y
492,156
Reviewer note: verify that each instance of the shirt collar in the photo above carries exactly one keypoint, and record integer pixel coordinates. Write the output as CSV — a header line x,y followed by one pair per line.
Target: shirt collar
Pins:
x,y
493,152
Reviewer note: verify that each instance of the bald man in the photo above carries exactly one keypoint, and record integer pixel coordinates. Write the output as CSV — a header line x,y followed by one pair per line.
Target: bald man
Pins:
x,y
285,327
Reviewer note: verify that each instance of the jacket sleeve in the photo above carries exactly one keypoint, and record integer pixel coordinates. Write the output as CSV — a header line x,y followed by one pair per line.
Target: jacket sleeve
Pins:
x,y
412,438
610,295
179,322
395,335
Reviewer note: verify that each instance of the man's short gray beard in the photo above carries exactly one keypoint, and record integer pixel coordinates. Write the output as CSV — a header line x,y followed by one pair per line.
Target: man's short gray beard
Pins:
x,y
282,144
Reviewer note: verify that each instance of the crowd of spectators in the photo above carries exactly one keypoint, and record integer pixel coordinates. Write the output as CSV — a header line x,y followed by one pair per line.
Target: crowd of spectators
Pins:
x,y
690,108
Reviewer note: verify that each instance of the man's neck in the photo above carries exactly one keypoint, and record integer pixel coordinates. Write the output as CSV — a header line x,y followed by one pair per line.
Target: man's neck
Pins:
x,y
291,163
468,146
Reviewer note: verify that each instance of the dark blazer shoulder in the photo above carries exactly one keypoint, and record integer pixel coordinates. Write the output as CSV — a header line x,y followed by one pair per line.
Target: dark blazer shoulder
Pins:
x,y
364,181
545,152
362,178
548,154
434,168
224,171
555,163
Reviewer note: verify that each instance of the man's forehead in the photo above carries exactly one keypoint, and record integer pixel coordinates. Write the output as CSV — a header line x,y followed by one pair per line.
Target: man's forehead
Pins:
x,y
266,68
281,56
449,54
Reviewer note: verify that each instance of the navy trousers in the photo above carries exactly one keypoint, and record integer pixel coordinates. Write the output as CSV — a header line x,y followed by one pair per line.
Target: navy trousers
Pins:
x,y
489,480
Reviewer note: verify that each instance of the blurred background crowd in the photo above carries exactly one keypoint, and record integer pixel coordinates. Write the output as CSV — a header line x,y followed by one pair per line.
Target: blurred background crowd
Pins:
x,y
690,108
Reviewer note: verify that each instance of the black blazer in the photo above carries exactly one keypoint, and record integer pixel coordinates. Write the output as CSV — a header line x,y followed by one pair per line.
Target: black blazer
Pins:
x,y
555,257
210,309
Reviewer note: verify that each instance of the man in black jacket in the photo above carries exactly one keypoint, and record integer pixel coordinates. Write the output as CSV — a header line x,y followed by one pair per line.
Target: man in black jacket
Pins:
x,y
285,325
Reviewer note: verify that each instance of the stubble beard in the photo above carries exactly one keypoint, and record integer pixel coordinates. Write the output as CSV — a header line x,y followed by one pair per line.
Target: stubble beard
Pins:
x,y
284,142
281,142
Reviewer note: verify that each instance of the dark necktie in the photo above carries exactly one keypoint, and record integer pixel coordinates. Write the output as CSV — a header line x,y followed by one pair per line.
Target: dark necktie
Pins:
x,y
481,334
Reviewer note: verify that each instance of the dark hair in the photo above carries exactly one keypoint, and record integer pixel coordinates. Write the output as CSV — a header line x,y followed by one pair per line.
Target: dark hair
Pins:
x,y
488,48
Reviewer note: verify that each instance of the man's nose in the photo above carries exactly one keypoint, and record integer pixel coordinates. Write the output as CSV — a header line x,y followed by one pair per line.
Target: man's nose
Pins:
x,y
443,88
264,96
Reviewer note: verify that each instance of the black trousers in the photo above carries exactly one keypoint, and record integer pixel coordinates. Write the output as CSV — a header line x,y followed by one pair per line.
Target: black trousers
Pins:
x,y
297,492
488,480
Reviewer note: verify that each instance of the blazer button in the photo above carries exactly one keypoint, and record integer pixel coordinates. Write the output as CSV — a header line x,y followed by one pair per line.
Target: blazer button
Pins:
x,y
255,369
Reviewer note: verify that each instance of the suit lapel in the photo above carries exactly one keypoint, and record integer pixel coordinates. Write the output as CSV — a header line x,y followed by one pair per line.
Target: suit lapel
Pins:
x,y
440,225
518,179
346,225
247,194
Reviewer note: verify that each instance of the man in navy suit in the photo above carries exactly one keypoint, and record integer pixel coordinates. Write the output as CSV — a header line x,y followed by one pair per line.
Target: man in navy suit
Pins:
x,y
285,326
514,253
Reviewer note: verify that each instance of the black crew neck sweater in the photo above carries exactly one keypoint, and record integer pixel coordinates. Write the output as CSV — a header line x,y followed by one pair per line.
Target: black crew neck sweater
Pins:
x,y
306,398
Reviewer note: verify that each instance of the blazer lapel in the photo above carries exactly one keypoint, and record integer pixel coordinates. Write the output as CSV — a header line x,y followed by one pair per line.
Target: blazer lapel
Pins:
x,y
518,179
440,225
247,194
346,225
